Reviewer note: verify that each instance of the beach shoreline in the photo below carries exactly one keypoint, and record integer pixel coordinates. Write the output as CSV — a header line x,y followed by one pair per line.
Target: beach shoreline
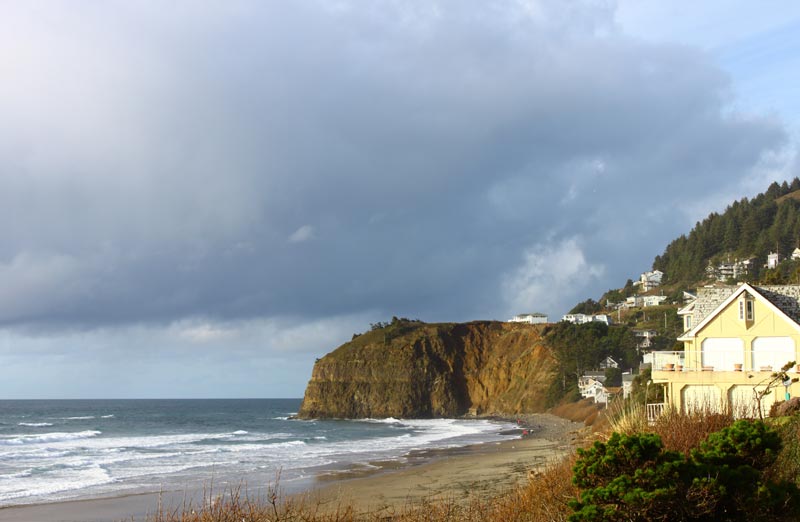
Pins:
x,y
452,473
482,470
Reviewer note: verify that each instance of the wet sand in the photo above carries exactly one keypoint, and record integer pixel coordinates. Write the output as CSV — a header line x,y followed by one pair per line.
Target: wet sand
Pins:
x,y
457,474
485,470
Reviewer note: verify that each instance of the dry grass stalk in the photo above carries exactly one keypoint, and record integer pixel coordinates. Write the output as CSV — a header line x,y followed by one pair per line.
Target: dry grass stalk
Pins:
x,y
628,418
682,431
584,411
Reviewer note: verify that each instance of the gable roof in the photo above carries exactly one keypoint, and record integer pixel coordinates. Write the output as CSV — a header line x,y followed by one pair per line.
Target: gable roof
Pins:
x,y
779,296
781,304
688,309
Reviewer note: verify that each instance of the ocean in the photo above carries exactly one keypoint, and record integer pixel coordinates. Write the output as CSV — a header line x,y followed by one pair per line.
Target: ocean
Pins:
x,y
79,449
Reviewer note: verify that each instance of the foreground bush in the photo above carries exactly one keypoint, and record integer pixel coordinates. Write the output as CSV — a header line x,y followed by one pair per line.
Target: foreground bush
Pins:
x,y
679,430
633,477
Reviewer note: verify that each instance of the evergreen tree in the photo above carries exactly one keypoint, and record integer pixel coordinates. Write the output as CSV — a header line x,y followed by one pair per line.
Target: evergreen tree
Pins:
x,y
749,228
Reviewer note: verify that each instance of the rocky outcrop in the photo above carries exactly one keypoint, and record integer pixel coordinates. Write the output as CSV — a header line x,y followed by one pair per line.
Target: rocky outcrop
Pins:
x,y
411,369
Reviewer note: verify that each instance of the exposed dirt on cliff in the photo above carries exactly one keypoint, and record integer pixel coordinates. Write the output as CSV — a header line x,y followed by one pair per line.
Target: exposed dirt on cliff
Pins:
x,y
412,369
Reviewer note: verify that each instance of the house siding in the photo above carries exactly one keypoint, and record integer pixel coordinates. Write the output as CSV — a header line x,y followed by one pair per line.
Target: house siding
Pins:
x,y
682,389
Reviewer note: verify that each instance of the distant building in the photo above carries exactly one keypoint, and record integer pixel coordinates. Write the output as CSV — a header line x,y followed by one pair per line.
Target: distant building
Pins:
x,y
796,253
653,300
644,338
594,390
633,301
534,318
583,318
772,260
608,362
627,384
650,280
577,318
735,270
593,387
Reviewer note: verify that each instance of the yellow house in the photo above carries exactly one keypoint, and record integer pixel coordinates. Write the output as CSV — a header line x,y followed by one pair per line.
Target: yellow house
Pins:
x,y
736,338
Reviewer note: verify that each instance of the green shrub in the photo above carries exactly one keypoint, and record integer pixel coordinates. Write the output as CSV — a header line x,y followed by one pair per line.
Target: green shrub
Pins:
x,y
633,478
787,465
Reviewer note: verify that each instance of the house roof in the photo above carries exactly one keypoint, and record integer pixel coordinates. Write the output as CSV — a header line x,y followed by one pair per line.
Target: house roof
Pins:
x,y
688,309
782,300
779,296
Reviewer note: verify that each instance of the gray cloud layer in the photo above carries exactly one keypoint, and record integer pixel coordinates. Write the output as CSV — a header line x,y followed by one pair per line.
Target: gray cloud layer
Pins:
x,y
440,160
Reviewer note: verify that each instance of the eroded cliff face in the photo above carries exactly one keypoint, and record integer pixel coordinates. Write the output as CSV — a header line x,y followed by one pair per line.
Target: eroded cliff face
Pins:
x,y
412,369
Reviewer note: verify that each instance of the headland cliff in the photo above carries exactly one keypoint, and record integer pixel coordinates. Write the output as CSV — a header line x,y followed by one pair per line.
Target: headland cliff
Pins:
x,y
411,369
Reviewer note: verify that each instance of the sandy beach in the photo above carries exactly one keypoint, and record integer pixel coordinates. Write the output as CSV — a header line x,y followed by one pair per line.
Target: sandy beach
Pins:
x,y
484,470
458,474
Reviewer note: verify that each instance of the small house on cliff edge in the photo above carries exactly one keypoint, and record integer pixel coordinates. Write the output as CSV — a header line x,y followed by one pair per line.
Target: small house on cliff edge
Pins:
x,y
534,318
735,337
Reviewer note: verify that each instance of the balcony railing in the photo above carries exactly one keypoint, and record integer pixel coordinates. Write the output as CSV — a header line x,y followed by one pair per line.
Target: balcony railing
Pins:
x,y
654,411
719,360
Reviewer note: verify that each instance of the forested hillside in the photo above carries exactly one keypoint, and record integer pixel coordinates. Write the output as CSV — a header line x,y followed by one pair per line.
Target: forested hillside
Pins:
x,y
749,228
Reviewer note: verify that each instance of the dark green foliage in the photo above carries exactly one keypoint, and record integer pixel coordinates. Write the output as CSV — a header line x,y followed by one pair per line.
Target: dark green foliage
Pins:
x,y
787,464
627,478
581,347
747,228
588,307
613,377
643,393
745,442
635,478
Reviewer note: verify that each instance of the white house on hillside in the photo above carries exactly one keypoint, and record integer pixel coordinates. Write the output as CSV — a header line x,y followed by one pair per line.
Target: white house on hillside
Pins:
x,y
608,362
644,338
577,318
633,301
650,280
583,318
653,300
534,318
590,388
772,260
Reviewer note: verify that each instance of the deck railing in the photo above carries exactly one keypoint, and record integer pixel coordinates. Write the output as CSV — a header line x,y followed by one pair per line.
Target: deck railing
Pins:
x,y
720,360
654,411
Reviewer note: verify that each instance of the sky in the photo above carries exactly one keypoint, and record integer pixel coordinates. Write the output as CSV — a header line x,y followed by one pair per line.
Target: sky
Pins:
x,y
198,199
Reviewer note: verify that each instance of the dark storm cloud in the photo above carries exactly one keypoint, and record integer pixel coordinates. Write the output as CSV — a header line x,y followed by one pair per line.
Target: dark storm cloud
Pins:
x,y
310,159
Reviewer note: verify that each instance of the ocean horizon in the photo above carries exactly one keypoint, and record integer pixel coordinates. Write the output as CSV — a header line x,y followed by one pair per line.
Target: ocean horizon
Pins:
x,y
76,449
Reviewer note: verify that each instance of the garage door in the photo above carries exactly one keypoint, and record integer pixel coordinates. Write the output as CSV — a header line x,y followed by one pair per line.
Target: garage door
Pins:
x,y
701,397
723,352
773,351
744,404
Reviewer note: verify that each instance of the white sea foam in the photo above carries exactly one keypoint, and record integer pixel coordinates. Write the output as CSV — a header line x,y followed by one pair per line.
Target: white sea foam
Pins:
x,y
59,465
87,417
57,482
107,416
387,420
48,438
35,424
